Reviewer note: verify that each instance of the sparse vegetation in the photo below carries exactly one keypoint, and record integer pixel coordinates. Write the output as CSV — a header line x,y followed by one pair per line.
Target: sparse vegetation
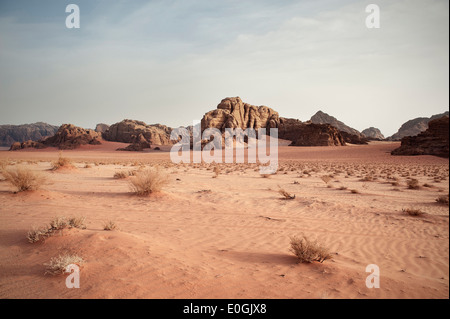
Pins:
x,y
121,175
58,265
308,251
109,225
61,162
285,194
326,179
444,199
413,212
23,179
413,184
148,181
56,225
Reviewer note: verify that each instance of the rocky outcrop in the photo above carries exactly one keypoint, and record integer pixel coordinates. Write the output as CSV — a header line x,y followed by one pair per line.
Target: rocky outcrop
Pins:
x,y
101,128
323,118
138,134
373,133
67,137
309,134
434,141
10,134
414,127
233,113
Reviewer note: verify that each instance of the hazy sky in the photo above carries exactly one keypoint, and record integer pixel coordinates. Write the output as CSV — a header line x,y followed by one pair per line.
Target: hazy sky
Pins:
x,y
171,61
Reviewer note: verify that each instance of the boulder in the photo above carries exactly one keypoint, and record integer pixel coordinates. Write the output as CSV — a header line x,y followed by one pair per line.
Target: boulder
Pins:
x,y
373,133
434,141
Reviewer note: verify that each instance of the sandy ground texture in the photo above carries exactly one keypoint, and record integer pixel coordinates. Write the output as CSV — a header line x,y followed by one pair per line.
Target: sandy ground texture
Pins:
x,y
229,236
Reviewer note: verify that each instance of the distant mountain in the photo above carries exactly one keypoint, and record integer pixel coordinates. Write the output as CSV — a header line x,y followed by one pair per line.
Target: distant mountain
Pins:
x,y
415,127
323,118
373,133
20,133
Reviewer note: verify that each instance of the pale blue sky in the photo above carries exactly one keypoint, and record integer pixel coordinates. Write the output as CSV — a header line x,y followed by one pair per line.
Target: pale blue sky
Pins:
x,y
170,61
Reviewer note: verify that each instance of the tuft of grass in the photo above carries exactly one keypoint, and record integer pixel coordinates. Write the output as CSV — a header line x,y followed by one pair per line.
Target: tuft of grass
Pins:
x,y
148,181
413,184
413,212
109,225
285,194
61,162
308,251
326,179
23,179
216,171
444,199
56,225
121,175
58,265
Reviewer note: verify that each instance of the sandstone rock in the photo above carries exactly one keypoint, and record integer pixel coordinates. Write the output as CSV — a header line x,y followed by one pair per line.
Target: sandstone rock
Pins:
x,y
70,136
414,127
233,113
10,134
309,134
373,133
101,128
323,118
434,141
138,133
28,144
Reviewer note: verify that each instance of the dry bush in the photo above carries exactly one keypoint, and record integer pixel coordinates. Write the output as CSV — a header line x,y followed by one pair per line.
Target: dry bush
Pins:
x,y
148,181
121,175
266,175
61,162
354,191
413,184
110,225
216,171
58,265
444,199
56,225
326,178
87,166
413,212
23,179
285,194
308,251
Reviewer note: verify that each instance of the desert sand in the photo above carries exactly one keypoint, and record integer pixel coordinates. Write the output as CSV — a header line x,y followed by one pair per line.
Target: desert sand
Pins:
x,y
229,237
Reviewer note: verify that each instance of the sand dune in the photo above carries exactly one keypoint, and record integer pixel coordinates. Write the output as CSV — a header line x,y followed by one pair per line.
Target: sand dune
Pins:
x,y
228,237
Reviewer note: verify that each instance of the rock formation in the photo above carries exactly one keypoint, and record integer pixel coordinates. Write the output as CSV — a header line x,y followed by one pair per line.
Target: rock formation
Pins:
x,y
138,134
10,134
67,137
350,135
414,127
233,113
309,134
434,141
101,128
373,133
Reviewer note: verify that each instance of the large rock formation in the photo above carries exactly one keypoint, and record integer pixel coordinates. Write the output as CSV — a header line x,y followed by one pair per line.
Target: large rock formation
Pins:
x,y
309,134
434,141
373,133
350,135
67,137
101,128
10,134
233,113
414,127
138,134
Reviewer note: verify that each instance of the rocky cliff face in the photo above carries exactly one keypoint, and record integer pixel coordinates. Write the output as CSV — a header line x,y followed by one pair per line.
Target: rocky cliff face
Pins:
x,y
414,127
67,137
373,133
138,134
233,113
309,134
10,134
101,128
434,141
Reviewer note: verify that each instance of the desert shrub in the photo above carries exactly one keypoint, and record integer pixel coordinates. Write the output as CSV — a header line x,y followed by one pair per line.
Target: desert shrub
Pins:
x,y
308,251
413,184
56,225
354,191
444,199
216,171
23,179
121,175
285,194
58,265
413,212
61,162
148,181
109,225
326,179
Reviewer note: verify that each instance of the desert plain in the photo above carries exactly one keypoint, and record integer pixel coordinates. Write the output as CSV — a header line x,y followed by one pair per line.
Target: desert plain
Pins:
x,y
225,232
